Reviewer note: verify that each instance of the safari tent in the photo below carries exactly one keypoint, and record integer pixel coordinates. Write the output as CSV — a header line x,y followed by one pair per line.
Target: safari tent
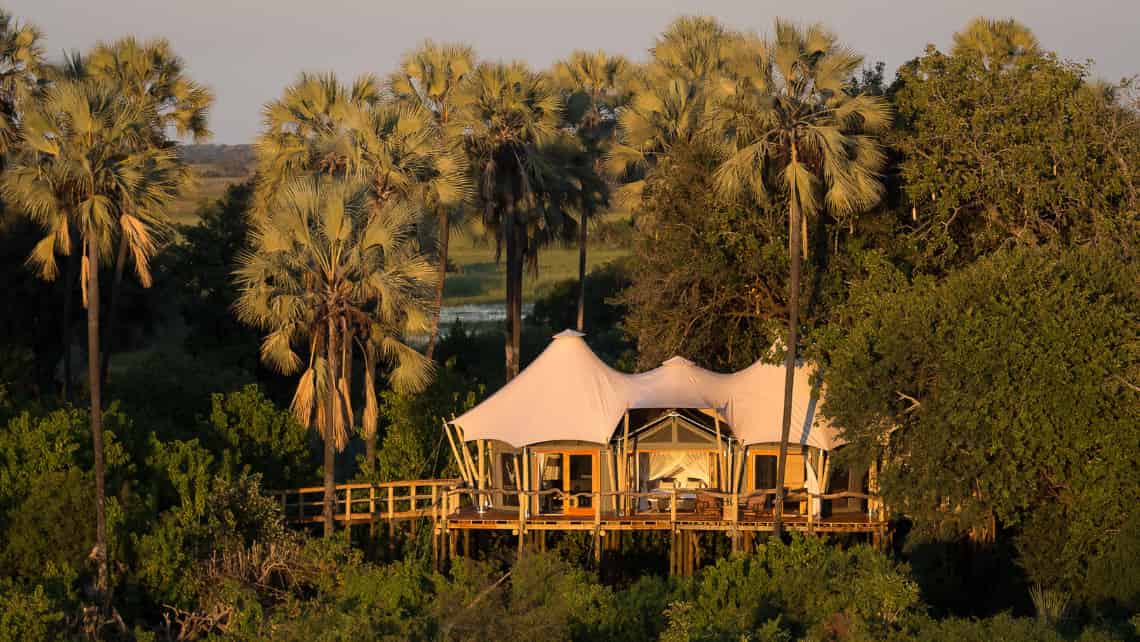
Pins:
x,y
572,436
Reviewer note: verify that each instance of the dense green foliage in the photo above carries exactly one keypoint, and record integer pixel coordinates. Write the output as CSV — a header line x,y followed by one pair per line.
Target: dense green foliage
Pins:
x,y
1024,154
707,275
987,350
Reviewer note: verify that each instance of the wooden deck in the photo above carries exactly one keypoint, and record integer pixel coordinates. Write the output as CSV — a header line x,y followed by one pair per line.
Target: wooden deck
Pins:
x,y
448,505
500,519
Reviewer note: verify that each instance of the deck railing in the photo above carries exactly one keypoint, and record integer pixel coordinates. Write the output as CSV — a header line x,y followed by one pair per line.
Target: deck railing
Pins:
x,y
729,505
441,500
398,500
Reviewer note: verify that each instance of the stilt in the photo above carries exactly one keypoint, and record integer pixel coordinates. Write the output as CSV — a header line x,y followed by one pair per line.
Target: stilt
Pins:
x,y
695,562
673,553
434,549
467,542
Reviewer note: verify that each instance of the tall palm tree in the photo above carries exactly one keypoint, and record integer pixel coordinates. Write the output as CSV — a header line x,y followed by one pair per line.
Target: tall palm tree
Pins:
x,y
152,75
398,151
329,272
78,174
594,87
509,113
996,43
322,127
790,129
428,78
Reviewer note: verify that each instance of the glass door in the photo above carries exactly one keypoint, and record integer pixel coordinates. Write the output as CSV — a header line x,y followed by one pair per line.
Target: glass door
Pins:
x,y
569,472
580,479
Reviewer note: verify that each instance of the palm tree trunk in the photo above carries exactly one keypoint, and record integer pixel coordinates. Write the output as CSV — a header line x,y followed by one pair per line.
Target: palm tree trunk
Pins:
x,y
113,311
582,271
514,296
790,356
68,328
332,408
102,582
444,238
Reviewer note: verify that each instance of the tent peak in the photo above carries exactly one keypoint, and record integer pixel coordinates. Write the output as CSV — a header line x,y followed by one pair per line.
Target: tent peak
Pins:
x,y
569,334
677,361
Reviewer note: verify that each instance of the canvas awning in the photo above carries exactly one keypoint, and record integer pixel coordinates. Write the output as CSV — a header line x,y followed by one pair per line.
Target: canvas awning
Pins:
x,y
568,393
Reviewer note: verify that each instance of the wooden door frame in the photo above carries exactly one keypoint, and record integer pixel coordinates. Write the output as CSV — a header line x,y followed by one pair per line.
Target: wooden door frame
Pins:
x,y
593,454
595,480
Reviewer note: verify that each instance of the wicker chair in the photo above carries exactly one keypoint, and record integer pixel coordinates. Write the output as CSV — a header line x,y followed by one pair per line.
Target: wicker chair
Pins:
x,y
760,506
708,505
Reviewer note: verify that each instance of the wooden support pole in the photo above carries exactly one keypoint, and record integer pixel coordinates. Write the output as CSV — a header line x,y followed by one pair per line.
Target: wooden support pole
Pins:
x,y
627,483
455,452
466,454
522,516
719,473
527,482
672,552
482,467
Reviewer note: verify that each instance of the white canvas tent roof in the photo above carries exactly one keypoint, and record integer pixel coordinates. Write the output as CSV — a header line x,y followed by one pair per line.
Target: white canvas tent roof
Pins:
x,y
568,393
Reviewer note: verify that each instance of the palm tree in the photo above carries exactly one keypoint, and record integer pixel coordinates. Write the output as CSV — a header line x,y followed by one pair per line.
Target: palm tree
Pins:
x,y
329,271
789,128
21,61
429,78
509,113
305,131
668,98
322,127
995,43
152,75
398,151
594,84
78,173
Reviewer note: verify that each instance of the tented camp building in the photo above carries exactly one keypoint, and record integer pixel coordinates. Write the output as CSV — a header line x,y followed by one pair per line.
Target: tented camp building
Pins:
x,y
571,443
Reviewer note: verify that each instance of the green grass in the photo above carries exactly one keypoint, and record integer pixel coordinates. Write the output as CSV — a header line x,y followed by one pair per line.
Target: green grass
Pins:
x,y
206,189
480,279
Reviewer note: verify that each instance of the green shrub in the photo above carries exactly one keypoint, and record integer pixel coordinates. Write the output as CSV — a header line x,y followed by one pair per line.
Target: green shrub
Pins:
x,y
28,613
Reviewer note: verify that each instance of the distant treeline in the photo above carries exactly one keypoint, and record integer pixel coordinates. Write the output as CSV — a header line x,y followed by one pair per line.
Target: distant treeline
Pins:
x,y
220,160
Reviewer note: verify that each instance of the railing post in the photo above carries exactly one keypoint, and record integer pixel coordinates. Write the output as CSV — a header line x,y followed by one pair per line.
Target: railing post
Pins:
x,y
810,513
391,503
348,514
372,500
673,506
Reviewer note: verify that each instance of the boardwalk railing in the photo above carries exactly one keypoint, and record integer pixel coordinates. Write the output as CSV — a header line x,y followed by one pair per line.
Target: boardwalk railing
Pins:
x,y
364,502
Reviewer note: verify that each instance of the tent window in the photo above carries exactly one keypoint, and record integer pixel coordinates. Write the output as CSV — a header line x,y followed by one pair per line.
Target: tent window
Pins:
x,y
660,435
765,471
687,435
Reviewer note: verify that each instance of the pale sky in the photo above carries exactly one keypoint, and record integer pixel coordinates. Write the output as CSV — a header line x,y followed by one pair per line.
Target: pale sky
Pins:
x,y
249,50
